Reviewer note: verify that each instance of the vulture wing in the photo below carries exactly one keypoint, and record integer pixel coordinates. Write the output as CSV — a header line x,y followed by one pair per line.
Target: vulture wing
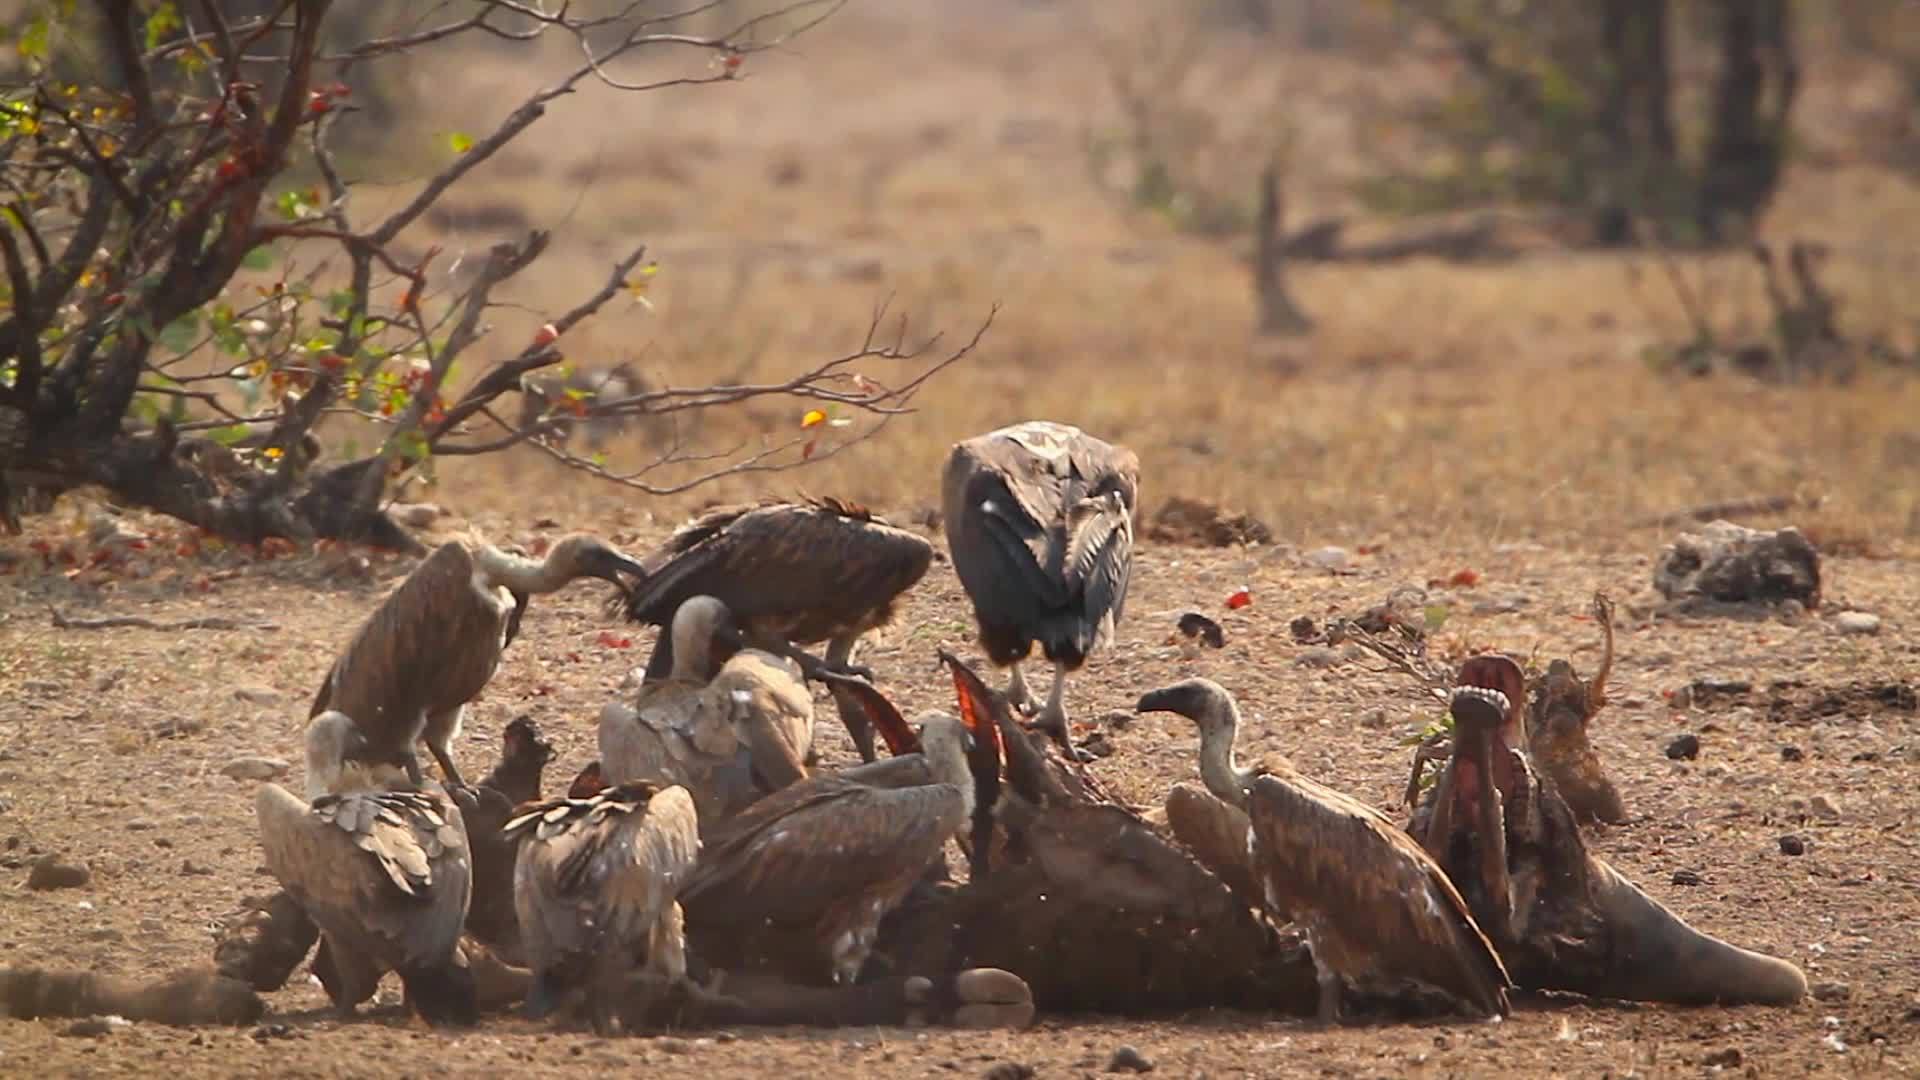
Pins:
x,y
1323,851
781,559
837,844
610,864
387,871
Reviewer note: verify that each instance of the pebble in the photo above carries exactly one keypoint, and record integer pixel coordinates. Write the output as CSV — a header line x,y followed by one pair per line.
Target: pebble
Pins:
x,y
257,695
1681,700
50,873
1684,748
1824,808
1097,744
1328,558
1857,622
672,1046
91,1028
1730,1058
1790,611
255,768
1687,877
1117,719
1832,991
1319,656
1129,1060
1501,603
1008,1070
1792,845
1374,718
417,515
1792,753
189,868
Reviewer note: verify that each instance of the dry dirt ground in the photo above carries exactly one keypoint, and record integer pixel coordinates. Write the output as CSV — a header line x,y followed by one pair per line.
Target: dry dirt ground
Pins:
x,y
112,742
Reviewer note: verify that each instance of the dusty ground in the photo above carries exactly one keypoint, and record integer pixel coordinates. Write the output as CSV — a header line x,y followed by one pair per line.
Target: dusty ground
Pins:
x,y
1499,417
111,743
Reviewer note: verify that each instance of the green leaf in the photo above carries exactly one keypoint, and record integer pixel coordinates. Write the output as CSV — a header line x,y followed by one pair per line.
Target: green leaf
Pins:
x,y
260,258
599,458
1437,616
227,436
459,141
164,21
181,334
32,45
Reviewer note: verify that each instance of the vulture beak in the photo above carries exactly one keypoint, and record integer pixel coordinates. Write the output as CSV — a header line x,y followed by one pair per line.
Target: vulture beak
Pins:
x,y
980,711
608,564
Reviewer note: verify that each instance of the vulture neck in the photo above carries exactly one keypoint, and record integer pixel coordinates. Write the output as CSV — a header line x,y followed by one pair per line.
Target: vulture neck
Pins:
x,y
526,577
693,632
1218,770
947,764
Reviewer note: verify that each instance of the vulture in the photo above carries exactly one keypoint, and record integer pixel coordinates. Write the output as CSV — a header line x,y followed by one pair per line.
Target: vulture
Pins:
x,y
435,641
1039,520
792,573
595,888
524,754
1564,919
384,874
832,856
1378,911
728,735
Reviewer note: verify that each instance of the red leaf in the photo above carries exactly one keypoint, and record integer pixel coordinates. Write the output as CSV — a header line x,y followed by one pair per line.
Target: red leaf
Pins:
x,y
609,639
1239,598
806,452
1464,579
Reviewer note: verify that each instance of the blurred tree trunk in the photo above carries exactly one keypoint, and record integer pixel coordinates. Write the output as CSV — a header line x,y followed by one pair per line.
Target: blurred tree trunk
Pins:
x,y
1634,113
1753,96
1278,313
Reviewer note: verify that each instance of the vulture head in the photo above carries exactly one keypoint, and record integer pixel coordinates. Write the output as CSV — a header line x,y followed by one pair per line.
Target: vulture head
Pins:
x,y
582,555
704,636
333,741
1202,701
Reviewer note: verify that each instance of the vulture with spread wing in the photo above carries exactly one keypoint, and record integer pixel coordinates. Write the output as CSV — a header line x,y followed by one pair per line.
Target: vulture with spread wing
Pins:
x,y
792,573
1378,911
596,888
434,643
1039,520
384,874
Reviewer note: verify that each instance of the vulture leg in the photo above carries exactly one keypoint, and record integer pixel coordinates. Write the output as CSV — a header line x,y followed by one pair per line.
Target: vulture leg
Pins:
x,y
839,653
1052,717
1329,1011
603,996
441,730
1018,695
812,666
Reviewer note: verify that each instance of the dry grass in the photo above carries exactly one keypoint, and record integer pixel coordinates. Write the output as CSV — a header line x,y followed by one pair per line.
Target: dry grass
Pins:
x,y
950,170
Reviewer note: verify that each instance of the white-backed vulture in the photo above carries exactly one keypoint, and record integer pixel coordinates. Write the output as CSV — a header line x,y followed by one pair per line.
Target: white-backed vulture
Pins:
x,y
435,641
384,874
729,735
833,857
792,573
1039,520
1377,909
595,887
1563,918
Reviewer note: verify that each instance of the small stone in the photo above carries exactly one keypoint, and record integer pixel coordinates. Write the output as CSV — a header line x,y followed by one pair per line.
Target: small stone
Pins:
x,y
1792,753
1730,1058
1501,603
1329,558
50,873
41,686
1129,1060
1824,808
1117,720
1831,991
1857,622
1008,1070
672,1046
1792,845
1374,718
1303,629
257,695
1790,611
255,768
189,868
1681,700
1318,656
179,727
1684,748
1687,877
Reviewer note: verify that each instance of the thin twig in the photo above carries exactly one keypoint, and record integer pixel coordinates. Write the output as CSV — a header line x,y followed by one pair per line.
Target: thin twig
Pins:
x,y
204,622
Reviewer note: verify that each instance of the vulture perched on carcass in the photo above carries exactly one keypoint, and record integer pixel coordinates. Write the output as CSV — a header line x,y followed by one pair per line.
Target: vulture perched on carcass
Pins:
x,y
729,733
1039,521
596,889
831,856
792,573
435,641
384,874
1378,911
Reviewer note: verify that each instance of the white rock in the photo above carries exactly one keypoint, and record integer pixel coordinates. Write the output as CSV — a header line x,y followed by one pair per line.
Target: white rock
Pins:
x,y
1328,558
255,768
417,515
1857,622
1824,808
